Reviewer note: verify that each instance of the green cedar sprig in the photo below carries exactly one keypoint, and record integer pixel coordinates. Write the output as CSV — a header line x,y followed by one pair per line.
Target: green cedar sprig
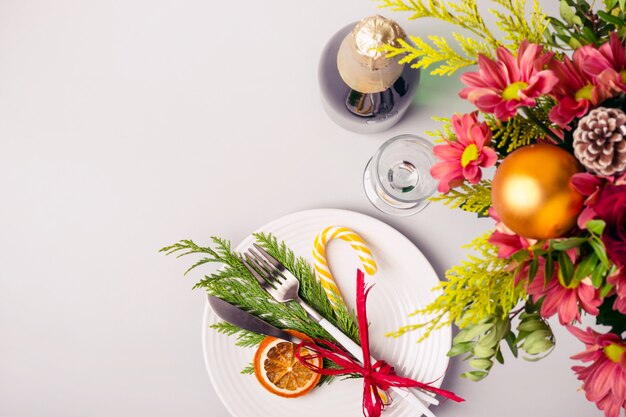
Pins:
x,y
234,284
481,287
475,198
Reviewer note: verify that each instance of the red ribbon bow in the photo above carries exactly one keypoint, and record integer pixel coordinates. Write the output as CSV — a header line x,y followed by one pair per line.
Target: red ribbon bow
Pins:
x,y
376,376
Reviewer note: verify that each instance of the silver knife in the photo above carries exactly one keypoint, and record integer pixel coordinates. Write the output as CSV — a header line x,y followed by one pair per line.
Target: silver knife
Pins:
x,y
242,319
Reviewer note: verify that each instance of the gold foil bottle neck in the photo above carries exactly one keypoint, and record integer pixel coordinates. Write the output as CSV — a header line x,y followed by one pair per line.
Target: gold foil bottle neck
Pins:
x,y
370,34
361,63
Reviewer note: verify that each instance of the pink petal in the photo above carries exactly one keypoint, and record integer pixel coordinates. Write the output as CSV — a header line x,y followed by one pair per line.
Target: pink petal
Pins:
x,y
589,298
477,137
507,244
568,308
541,83
441,169
486,101
447,175
583,336
472,173
594,62
510,65
505,110
526,56
445,152
550,305
585,183
475,79
492,70
490,157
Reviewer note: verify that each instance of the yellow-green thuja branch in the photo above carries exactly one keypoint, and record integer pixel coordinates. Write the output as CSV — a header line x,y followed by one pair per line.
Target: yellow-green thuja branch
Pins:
x,y
480,287
422,55
516,27
464,14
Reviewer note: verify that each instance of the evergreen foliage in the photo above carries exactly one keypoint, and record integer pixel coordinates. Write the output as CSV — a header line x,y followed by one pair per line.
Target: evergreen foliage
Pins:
x,y
234,284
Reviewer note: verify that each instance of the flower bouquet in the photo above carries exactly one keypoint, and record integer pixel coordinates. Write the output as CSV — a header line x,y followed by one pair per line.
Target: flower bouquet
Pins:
x,y
550,99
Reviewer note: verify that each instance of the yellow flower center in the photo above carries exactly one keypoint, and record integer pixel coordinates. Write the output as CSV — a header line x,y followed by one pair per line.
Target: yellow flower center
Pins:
x,y
469,154
584,93
511,92
623,74
614,352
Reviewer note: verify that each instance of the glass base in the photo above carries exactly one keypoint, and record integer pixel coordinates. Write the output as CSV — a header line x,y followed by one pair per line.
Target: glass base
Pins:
x,y
379,198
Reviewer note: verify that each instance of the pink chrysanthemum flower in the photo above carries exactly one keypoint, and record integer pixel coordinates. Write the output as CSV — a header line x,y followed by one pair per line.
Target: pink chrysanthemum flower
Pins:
x,y
576,91
564,300
501,87
604,380
604,195
608,64
463,158
590,186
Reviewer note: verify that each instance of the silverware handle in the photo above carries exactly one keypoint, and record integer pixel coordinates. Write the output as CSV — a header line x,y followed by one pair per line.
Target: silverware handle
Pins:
x,y
356,351
311,311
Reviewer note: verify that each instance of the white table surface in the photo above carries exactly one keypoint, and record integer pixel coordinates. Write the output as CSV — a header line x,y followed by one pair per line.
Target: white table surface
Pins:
x,y
127,125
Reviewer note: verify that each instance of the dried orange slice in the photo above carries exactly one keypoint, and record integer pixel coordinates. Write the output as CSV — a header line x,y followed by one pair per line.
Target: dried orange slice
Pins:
x,y
278,370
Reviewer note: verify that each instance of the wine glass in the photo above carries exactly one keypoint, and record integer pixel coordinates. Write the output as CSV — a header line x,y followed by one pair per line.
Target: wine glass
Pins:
x,y
397,178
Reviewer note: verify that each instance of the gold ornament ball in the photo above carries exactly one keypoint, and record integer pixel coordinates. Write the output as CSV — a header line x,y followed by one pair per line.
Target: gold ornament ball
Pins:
x,y
532,194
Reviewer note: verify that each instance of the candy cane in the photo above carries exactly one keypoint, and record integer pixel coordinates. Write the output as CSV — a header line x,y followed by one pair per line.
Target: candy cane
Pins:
x,y
321,265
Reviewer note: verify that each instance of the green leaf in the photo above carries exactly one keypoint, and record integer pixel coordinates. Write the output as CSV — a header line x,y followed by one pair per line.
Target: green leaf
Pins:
x,y
596,226
539,346
483,351
589,36
481,364
510,340
499,357
460,348
530,325
548,271
586,267
520,256
536,340
565,244
574,43
474,375
532,269
610,317
470,333
610,18
567,13
566,269
605,290
598,274
598,248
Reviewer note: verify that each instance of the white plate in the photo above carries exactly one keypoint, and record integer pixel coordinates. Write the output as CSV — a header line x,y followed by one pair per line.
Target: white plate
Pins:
x,y
403,283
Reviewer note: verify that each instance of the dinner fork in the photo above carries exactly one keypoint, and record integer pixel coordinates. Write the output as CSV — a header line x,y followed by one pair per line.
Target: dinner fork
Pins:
x,y
283,286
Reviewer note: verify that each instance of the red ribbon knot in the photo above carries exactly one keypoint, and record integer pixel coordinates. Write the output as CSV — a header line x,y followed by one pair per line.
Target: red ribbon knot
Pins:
x,y
377,377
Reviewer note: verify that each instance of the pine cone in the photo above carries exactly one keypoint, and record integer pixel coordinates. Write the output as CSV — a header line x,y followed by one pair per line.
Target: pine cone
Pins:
x,y
600,141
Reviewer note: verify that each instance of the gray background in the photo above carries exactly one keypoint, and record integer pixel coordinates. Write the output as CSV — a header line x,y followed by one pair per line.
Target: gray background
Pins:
x,y
127,125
